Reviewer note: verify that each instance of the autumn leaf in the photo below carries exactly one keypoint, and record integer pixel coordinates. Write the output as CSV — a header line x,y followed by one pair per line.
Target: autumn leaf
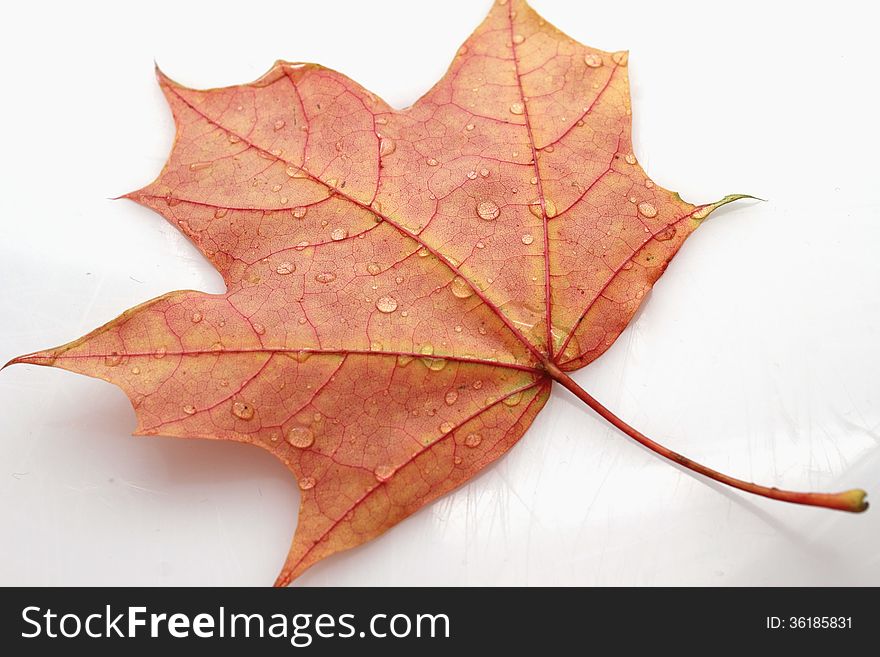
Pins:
x,y
403,286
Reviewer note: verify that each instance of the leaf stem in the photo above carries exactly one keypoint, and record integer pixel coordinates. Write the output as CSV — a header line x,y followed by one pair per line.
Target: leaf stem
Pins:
x,y
850,500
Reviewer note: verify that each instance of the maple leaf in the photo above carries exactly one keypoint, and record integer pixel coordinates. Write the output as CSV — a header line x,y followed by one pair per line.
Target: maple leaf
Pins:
x,y
403,286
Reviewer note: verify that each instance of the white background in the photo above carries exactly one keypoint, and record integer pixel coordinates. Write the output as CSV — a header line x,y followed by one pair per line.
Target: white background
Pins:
x,y
757,353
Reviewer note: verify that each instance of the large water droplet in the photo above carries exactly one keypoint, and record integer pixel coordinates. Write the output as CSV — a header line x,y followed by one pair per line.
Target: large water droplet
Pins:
x,y
386,304
451,397
518,38
307,483
299,211
285,268
198,166
469,127
338,234
461,288
374,268
301,437
242,410
446,427
473,440
621,58
196,317
112,360
383,472
386,146
517,108
593,60
434,364
647,209
471,175
487,210
278,124
666,234
513,400
259,329
189,409
325,277
630,158
527,239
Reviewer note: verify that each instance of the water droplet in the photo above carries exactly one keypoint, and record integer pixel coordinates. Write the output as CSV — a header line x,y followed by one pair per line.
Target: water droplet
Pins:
x,y
160,352
386,304
276,188
473,440
325,277
484,172
513,400
307,483
702,213
292,171
301,437
433,364
386,146
649,183
189,409
593,60
647,209
432,162
338,234
458,328
374,268
423,252
534,180
383,472
535,209
233,139
259,329
527,239
278,124
476,385
472,175
548,149
518,38
299,212
196,317
480,245
135,370
627,265
621,58
630,158
451,397
112,360
461,288
242,410
446,427
285,268
219,213
469,127
487,210
198,166
381,120
301,245
457,460
516,108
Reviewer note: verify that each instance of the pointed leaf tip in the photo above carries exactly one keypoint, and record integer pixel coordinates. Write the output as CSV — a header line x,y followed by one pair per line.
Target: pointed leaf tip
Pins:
x,y
704,211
